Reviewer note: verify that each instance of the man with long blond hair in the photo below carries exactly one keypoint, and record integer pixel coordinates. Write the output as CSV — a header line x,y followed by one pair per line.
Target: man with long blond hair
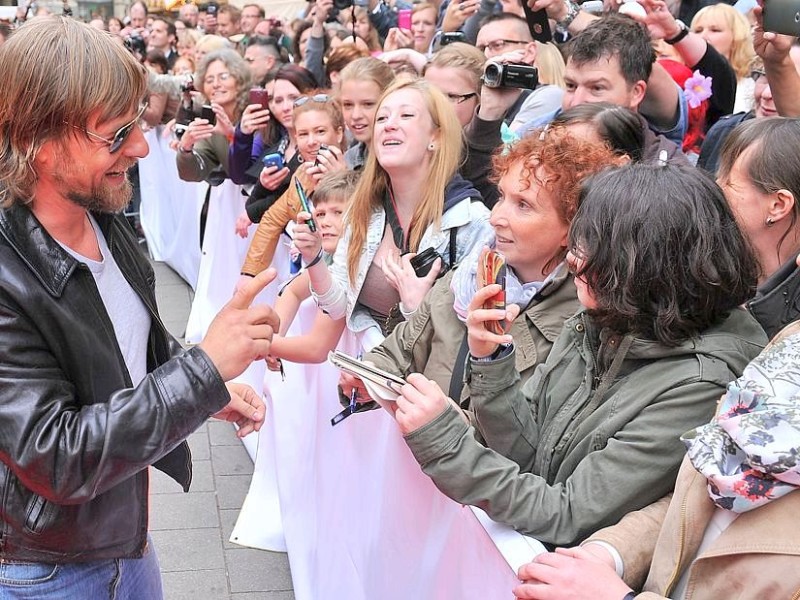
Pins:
x,y
93,390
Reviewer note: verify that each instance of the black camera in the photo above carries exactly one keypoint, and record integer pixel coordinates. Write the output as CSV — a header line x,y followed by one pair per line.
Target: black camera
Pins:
x,y
187,85
451,37
212,8
136,45
497,75
423,262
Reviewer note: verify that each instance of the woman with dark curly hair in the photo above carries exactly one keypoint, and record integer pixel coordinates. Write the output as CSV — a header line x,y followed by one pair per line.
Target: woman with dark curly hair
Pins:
x,y
661,269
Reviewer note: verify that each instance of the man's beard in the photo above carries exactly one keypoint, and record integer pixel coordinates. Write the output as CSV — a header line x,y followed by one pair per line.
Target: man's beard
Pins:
x,y
104,199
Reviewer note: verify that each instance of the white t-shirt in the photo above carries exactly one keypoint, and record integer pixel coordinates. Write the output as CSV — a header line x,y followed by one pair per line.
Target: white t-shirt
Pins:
x,y
128,314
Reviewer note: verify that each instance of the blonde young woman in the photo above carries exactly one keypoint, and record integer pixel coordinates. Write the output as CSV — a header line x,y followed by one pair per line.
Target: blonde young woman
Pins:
x,y
318,123
410,197
361,85
728,30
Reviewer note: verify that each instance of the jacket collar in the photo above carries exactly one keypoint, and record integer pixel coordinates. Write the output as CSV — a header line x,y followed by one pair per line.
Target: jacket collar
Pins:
x,y
51,264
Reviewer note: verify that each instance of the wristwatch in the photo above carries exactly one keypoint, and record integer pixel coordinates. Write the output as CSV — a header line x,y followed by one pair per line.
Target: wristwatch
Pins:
x,y
572,11
682,33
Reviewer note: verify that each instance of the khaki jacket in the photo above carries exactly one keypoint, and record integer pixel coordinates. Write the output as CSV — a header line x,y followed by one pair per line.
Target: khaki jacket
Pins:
x,y
756,558
429,341
273,222
591,436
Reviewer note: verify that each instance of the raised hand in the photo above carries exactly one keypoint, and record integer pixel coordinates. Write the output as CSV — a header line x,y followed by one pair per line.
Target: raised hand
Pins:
x,y
241,333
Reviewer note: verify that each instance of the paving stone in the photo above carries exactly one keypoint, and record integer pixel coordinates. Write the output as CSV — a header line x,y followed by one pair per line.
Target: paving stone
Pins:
x,y
196,585
188,550
222,433
194,510
263,596
231,460
198,444
227,518
252,570
231,490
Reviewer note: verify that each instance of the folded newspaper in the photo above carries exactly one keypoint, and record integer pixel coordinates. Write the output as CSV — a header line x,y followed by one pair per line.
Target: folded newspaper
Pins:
x,y
380,384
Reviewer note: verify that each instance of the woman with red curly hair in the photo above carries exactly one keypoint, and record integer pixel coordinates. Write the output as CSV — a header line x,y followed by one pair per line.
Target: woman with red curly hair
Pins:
x,y
539,180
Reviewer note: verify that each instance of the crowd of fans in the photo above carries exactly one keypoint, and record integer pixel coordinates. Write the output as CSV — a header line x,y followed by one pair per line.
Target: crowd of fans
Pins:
x,y
643,189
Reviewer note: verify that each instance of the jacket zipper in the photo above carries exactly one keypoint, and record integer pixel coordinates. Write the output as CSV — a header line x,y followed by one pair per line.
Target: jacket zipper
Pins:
x,y
681,543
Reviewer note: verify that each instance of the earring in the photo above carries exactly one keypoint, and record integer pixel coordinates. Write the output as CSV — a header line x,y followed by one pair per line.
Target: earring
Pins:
x,y
769,222
431,147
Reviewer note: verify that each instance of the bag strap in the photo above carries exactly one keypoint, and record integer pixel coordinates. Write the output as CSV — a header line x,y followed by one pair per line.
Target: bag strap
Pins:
x,y
457,378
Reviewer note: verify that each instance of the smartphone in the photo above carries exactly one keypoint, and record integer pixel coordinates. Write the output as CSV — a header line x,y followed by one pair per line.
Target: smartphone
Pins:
x,y
258,96
492,269
782,16
322,147
538,23
404,19
273,160
305,204
208,114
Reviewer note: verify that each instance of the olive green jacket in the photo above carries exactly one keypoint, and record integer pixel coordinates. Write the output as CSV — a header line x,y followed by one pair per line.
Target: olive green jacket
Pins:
x,y
429,341
591,436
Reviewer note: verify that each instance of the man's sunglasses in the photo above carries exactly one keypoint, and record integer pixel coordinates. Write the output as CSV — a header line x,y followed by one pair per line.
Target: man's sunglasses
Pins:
x,y
115,143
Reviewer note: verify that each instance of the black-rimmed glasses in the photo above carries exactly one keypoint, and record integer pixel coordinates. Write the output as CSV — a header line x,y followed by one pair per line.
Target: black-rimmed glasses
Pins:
x,y
499,45
115,143
321,98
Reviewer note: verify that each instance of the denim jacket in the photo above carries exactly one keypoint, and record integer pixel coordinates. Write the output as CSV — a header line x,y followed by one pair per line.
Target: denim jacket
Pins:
x,y
341,300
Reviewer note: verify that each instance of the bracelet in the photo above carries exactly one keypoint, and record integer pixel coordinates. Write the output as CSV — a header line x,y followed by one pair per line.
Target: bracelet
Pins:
x,y
184,150
407,314
317,258
572,11
684,31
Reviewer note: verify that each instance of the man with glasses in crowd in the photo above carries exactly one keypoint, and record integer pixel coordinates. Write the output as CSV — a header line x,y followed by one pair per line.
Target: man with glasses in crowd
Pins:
x,y
93,390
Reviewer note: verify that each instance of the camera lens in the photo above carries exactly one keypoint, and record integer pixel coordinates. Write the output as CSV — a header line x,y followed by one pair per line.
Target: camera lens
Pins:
x,y
493,74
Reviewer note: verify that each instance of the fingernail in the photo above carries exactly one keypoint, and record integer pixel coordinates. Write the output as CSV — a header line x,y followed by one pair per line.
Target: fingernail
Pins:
x,y
257,416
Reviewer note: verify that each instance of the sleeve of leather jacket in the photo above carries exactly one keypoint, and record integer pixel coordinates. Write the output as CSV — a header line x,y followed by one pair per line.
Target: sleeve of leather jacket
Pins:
x,y
637,466
634,538
69,451
265,239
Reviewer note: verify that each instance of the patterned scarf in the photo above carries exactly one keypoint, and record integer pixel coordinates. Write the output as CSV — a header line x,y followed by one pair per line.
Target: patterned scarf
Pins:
x,y
749,451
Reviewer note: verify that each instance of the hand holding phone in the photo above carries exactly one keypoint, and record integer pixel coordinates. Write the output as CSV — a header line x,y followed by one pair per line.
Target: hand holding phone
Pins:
x,y
273,160
301,193
208,114
404,19
492,269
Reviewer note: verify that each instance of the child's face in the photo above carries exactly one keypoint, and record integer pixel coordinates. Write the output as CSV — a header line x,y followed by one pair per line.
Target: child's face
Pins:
x,y
328,216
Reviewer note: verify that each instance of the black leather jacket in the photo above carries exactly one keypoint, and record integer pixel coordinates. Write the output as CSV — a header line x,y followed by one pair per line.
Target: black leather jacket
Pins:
x,y
76,439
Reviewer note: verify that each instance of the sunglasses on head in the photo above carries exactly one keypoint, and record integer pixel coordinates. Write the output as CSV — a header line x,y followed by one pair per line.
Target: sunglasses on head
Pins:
x,y
115,143
322,98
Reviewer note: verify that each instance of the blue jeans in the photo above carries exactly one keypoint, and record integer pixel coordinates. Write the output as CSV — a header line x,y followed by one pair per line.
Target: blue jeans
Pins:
x,y
118,579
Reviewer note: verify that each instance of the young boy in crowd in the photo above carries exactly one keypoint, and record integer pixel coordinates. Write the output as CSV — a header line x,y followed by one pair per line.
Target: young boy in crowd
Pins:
x,y
330,201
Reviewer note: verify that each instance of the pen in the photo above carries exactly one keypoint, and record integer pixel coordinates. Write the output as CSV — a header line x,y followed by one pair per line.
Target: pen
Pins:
x,y
354,392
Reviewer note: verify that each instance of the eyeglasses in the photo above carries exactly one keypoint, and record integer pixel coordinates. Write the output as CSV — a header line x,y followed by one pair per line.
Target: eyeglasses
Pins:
x,y
499,45
460,98
757,74
322,98
210,79
121,135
